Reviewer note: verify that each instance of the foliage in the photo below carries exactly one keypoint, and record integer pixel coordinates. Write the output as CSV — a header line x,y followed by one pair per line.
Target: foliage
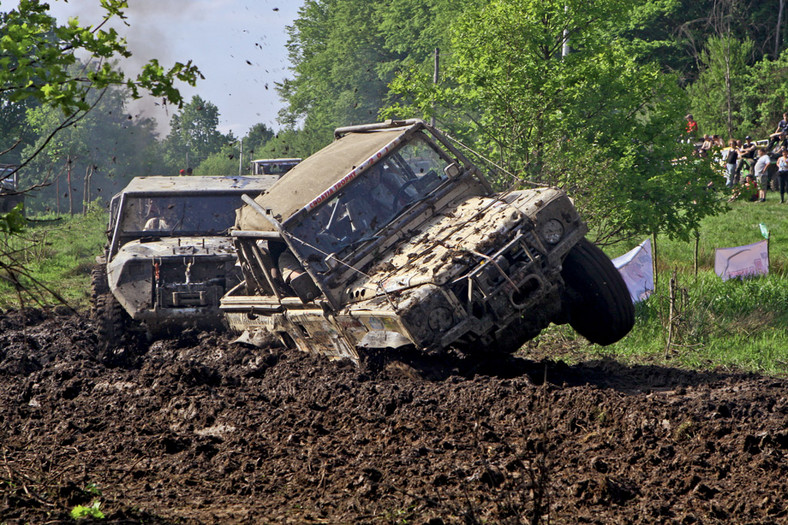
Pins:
x,y
224,162
290,143
13,222
194,135
51,250
257,138
93,511
344,53
594,122
334,50
106,145
720,87
766,95
37,57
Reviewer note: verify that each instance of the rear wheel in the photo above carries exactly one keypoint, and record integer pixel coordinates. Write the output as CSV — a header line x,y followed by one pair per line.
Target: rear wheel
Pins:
x,y
597,302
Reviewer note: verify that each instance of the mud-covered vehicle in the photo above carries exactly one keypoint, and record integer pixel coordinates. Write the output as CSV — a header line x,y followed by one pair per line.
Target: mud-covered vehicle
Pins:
x,y
169,257
274,166
9,186
389,238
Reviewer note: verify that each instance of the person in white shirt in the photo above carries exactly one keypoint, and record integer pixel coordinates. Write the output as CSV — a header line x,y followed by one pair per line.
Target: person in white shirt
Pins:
x,y
762,174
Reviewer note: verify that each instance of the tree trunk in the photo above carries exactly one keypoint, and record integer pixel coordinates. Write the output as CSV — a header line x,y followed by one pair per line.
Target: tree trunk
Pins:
x,y
70,189
57,192
86,190
778,31
654,258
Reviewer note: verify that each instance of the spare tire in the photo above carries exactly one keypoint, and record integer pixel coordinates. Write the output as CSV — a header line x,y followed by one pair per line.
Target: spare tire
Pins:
x,y
597,302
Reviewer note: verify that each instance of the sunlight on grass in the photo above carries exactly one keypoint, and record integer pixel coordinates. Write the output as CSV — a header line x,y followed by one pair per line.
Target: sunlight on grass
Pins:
x,y
60,254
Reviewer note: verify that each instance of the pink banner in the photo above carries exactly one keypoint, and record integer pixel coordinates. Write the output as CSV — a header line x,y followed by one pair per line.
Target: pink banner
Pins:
x,y
742,261
636,269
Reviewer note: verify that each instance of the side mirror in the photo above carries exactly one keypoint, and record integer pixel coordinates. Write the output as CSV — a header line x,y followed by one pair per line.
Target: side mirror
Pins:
x,y
452,170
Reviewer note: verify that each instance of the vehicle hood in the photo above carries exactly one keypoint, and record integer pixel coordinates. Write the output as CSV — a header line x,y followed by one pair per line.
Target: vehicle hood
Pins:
x,y
177,247
451,243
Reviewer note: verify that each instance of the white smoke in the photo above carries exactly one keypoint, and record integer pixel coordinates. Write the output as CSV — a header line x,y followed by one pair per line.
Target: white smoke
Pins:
x,y
239,45
142,30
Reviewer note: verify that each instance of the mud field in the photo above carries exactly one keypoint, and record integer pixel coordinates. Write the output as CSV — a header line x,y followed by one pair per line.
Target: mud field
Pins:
x,y
199,430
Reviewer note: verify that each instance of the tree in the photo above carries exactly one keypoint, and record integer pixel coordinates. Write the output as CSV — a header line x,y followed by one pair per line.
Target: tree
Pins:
x,y
765,95
595,122
257,137
107,146
718,94
36,60
346,52
194,135
224,162
37,57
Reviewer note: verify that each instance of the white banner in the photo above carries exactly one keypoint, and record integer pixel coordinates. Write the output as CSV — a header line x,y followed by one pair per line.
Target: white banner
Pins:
x,y
742,261
636,268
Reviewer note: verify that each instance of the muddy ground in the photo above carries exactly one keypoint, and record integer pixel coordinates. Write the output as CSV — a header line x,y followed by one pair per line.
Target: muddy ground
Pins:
x,y
200,430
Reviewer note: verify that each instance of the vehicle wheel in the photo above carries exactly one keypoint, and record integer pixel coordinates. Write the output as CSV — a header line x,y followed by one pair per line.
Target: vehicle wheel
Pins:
x,y
111,320
597,301
99,285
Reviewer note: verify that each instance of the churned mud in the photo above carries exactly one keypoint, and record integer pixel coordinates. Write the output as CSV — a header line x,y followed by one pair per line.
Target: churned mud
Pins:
x,y
201,430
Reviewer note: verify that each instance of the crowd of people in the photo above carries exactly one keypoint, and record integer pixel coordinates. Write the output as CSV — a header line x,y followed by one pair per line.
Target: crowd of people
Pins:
x,y
747,165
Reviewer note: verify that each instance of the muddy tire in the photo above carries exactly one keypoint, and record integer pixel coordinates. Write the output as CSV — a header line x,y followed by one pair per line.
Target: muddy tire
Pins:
x,y
99,285
597,302
111,321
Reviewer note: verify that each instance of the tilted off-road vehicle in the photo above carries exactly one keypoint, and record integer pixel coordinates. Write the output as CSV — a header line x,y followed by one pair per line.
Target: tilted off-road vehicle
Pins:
x,y
169,257
389,238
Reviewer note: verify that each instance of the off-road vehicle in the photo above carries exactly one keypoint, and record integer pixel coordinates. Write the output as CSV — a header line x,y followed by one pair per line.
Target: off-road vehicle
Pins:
x,y
273,166
389,237
169,257
9,186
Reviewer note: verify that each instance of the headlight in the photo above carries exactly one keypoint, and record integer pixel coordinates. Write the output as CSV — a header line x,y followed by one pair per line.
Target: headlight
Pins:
x,y
552,231
440,319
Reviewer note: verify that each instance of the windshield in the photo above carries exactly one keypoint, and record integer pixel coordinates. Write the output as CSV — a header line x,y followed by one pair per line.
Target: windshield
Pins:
x,y
179,215
372,200
7,181
273,167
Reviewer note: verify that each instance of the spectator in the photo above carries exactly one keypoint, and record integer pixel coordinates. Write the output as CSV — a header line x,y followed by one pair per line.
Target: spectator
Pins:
x,y
782,127
692,128
782,142
762,173
703,151
782,174
739,162
730,163
747,153
747,191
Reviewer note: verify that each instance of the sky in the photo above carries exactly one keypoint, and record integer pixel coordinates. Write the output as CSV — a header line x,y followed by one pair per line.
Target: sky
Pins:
x,y
238,45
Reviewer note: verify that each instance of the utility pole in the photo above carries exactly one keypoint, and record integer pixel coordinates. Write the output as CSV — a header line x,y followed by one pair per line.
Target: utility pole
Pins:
x,y
240,155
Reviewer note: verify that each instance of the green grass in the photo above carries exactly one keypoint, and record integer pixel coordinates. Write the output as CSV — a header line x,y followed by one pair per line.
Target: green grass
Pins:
x,y
56,252
739,325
